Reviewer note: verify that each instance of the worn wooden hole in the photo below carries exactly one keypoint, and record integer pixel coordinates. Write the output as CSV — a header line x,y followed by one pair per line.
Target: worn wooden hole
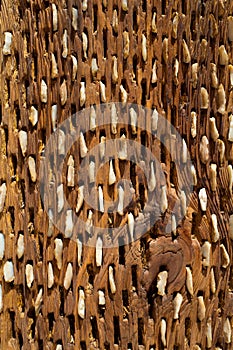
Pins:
x,y
164,96
163,150
83,345
121,250
163,6
134,278
141,331
135,20
202,8
144,5
71,319
135,65
31,315
133,175
20,338
14,165
125,298
188,329
184,7
91,274
95,17
94,326
62,300
51,320
144,92
106,345
144,142
12,216
105,42
193,30
117,335
12,320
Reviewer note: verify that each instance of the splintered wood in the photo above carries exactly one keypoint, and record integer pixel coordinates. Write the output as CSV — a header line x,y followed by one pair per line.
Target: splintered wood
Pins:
x,y
165,290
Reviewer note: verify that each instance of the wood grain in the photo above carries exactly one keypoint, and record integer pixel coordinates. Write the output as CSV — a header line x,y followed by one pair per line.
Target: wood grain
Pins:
x,y
131,317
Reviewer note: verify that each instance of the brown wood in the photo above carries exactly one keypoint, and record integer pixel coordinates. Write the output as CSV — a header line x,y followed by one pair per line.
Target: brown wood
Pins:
x,y
132,316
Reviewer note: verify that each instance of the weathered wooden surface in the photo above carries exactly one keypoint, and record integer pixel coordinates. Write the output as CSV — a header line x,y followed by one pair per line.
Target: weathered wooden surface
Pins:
x,y
132,316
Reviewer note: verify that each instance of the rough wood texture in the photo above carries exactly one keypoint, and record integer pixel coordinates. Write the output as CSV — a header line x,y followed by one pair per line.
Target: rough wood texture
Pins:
x,y
131,318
